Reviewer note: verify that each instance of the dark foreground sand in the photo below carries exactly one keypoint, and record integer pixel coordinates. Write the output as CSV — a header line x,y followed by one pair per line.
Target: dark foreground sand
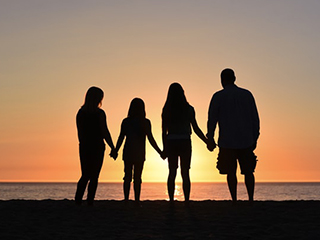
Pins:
x,y
48,219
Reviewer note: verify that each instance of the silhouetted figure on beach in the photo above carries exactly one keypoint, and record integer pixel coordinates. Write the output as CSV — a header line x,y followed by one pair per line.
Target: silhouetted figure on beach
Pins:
x,y
177,118
235,112
92,131
135,128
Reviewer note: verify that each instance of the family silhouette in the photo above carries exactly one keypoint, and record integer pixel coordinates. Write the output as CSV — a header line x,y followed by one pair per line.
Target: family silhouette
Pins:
x,y
233,109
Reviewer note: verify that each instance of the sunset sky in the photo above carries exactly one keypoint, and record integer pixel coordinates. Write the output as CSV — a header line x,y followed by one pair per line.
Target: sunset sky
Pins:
x,y
52,51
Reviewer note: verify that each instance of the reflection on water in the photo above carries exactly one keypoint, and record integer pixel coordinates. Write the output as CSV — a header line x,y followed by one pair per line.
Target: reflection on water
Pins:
x,y
178,193
158,191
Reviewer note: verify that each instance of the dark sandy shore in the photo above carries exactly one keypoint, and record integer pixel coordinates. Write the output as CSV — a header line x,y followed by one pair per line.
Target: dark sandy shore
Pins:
x,y
50,219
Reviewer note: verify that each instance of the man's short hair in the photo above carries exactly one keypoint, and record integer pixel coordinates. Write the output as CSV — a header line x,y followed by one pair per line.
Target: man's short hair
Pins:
x,y
228,75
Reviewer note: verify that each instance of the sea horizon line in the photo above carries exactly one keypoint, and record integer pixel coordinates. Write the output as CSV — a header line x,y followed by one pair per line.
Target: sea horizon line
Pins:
x,y
150,182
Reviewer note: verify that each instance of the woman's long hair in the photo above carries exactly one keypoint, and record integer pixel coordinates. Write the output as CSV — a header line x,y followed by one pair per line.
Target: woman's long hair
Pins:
x,y
176,107
93,99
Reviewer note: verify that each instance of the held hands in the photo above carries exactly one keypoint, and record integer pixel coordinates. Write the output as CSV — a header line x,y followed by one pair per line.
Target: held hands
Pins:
x,y
114,154
163,155
211,145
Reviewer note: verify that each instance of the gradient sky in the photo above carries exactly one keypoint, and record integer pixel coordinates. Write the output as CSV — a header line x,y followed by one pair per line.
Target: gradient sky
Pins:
x,y
51,52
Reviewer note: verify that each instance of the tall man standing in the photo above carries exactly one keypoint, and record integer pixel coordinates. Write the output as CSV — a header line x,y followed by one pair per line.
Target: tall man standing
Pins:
x,y
235,112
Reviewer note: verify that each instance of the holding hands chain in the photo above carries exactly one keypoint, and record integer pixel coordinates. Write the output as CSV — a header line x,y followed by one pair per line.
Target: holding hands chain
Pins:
x,y
114,154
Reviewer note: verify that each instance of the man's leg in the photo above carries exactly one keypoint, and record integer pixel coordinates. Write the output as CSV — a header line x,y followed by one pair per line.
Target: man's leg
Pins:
x,y
232,184
250,182
248,161
227,164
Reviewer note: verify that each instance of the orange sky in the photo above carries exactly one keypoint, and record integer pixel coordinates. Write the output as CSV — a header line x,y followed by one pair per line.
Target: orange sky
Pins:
x,y
52,52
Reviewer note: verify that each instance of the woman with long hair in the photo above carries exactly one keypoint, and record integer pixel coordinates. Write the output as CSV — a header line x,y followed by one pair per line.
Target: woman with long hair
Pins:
x,y
92,131
177,118
135,128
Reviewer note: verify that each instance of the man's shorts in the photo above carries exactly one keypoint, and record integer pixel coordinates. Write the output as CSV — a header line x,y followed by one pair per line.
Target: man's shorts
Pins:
x,y
227,160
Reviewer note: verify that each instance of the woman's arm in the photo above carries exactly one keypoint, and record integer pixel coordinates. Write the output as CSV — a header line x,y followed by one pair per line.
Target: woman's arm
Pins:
x,y
164,134
105,131
196,128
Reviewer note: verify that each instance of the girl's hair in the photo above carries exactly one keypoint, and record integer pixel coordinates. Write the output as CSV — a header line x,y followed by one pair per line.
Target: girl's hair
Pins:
x,y
137,109
93,99
176,106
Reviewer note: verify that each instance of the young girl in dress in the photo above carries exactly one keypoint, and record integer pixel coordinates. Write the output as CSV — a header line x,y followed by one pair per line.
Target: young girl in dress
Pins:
x,y
135,128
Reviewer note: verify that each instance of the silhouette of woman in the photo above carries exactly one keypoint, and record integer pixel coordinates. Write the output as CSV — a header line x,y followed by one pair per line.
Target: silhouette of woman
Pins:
x,y
92,131
177,118
134,128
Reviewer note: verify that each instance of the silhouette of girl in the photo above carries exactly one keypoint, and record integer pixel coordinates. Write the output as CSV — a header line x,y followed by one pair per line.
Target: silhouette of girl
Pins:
x,y
134,128
177,118
92,131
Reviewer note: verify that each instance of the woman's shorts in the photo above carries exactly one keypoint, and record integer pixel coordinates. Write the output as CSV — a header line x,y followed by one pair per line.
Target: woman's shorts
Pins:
x,y
227,160
179,148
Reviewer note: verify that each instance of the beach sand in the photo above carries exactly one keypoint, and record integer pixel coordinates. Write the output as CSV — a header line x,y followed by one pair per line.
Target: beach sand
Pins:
x,y
107,219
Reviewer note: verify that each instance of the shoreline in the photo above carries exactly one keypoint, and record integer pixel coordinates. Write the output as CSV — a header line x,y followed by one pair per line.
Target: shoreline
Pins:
x,y
112,219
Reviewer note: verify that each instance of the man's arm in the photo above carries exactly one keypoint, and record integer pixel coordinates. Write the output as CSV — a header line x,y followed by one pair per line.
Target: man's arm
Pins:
x,y
255,120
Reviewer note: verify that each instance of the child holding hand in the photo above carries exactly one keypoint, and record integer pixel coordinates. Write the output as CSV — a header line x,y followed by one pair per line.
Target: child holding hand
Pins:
x,y
135,128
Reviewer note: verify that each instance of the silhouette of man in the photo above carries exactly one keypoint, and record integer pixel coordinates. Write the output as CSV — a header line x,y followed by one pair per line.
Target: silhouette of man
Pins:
x,y
235,112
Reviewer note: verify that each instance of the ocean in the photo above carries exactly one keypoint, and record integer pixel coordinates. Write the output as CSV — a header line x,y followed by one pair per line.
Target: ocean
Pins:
x,y
158,191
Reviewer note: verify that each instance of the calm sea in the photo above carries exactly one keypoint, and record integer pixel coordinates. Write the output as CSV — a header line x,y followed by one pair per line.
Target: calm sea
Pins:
x,y
157,191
